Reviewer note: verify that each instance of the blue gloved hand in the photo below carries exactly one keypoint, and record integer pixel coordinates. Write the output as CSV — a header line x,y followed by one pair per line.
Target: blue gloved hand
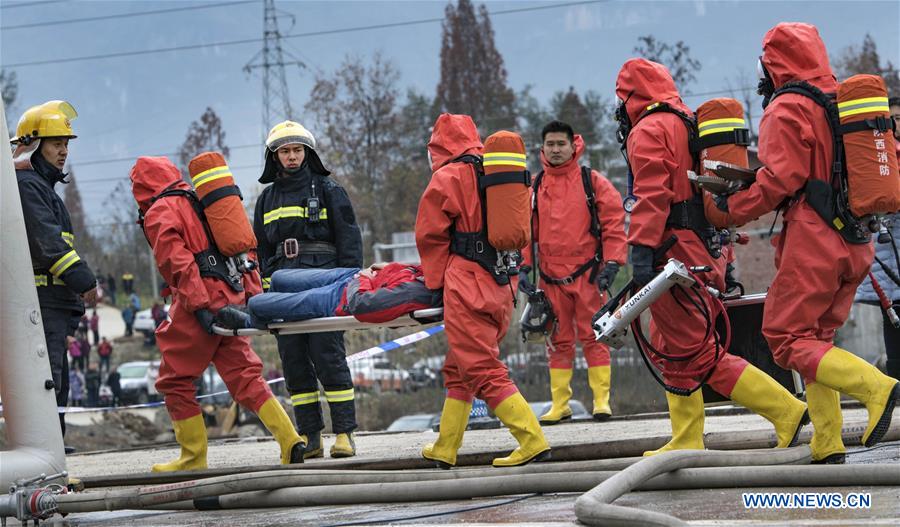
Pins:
x,y
525,284
607,276
206,320
642,260
721,201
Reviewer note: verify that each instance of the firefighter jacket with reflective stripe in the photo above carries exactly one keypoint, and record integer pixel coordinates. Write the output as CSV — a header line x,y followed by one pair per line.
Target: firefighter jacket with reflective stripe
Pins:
x,y
285,210
59,272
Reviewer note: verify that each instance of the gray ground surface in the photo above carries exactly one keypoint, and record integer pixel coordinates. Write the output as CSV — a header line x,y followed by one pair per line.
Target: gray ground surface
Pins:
x,y
707,507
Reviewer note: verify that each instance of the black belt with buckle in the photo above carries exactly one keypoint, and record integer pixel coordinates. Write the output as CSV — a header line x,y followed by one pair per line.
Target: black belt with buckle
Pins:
x,y
292,248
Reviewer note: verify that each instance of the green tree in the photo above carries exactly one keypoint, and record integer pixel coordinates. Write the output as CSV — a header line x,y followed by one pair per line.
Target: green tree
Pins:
x,y
676,57
865,59
473,76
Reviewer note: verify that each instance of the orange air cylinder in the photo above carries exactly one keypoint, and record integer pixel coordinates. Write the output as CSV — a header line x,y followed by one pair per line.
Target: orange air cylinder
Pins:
x,y
221,200
507,191
720,118
873,183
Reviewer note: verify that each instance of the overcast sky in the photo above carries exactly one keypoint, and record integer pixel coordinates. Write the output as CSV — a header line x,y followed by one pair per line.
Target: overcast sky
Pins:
x,y
142,105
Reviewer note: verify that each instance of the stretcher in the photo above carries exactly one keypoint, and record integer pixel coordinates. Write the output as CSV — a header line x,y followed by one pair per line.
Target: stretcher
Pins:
x,y
322,325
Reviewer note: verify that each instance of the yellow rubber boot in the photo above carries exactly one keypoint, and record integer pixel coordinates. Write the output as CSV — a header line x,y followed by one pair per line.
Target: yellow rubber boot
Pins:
x,y
827,446
191,435
598,378
845,372
515,413
276,420
686,415
344,445
560,392
759,392
454,419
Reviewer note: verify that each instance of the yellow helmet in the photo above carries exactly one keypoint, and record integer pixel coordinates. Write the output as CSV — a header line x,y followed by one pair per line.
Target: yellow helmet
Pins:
x,y
51,119
289,133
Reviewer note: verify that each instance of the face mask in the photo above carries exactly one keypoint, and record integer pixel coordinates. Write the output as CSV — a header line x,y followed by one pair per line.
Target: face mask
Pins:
x,y
765,87
621,116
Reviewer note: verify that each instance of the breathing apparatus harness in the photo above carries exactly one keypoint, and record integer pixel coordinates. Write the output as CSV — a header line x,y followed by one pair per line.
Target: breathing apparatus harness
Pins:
x,y
830,198
210,261
474,246
687,214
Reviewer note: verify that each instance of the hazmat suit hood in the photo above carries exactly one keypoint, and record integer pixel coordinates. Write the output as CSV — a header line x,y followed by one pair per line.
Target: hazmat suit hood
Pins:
x,y
642,82
152,175
793,51
578,143
452,136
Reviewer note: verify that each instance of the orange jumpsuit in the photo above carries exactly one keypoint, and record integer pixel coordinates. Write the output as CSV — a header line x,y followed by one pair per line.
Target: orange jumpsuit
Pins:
x,y
476,309
659,157
175,234
817,271
562,233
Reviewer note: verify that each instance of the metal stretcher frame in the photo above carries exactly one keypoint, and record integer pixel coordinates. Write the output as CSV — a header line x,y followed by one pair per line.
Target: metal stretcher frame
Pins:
x,y
321,325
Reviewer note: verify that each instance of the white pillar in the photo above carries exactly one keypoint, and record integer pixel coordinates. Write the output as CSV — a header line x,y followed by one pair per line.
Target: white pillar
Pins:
x,y
33,436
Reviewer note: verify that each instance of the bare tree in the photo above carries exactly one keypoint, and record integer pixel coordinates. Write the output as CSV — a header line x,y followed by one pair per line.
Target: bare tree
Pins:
x,y
205,135
676,57
356,112
9,86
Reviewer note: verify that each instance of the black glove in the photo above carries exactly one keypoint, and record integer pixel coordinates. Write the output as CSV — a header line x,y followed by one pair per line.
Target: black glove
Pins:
x,y
206,320
642,258
525,284
607,276
721,202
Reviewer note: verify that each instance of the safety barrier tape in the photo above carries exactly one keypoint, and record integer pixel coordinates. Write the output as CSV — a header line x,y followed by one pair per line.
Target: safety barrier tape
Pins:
x,y
364,354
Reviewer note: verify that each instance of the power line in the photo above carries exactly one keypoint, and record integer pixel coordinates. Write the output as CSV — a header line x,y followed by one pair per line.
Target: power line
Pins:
x,y
32,4
297,35
134,157
123,15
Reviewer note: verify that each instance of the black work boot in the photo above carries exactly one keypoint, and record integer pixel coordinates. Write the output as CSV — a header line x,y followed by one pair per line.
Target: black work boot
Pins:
x,y
313,445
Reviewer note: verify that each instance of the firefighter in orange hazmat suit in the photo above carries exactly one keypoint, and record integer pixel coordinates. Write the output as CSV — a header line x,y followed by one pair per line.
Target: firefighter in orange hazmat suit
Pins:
x,y
667,205
477,308
817,270
579,257
177,236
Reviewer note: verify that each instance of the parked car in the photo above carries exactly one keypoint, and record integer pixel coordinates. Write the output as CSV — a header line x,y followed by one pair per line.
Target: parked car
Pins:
x,y
578,410
411,423
423,377
143,321
377,374
138,381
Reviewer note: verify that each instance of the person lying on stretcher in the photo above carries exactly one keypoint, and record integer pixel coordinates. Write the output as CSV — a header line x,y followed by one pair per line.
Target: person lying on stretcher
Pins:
x,y
380,293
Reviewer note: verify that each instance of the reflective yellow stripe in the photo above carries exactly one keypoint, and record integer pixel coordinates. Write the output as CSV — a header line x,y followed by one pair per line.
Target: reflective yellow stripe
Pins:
x,y
714,126
69,238
210,175
339,396
266,283
652,106
300,399
40,280
869,108
64,263
504,158
864,100
291,212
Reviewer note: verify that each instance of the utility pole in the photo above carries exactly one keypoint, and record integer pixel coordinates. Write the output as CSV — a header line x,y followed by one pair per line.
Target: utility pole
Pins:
x,y
276,100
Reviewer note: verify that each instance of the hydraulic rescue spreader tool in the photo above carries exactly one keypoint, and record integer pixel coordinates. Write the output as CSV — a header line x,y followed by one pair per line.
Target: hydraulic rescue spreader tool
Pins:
x,y
611,325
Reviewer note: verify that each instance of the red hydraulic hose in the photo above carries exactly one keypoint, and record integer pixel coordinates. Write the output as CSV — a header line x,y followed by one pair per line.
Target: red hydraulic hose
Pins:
x,y
886,304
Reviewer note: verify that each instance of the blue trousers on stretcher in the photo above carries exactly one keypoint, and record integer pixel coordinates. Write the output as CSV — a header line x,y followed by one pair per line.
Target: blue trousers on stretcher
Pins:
x,y
301,294
307,359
